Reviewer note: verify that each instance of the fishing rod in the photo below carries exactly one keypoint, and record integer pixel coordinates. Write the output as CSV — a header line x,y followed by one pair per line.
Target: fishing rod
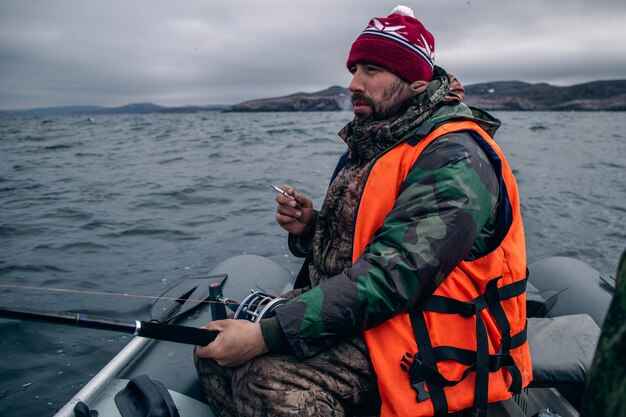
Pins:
x,y
171,305
174,303
149,329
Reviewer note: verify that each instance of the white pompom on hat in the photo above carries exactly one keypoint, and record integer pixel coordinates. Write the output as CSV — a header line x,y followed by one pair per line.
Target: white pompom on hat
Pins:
x,y
403,10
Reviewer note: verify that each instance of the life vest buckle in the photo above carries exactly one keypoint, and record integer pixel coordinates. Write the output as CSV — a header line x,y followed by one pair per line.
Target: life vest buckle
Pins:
x,y
467,310
420,388
499,361
414,366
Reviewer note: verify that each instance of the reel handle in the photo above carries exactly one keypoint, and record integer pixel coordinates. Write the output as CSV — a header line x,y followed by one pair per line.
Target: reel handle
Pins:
x,y
218,310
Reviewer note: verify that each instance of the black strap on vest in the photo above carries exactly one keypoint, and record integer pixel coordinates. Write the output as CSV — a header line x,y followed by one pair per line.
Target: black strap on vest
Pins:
x,y
422,366
426,368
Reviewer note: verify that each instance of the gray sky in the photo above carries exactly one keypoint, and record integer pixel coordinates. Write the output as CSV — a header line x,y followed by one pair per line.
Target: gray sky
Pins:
x,y
177,52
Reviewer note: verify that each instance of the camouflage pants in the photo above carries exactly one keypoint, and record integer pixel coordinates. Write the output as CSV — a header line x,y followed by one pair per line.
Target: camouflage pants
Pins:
x,y
337,382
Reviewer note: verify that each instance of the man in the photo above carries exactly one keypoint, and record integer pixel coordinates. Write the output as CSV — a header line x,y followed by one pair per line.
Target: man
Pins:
x,y
412,298
604,392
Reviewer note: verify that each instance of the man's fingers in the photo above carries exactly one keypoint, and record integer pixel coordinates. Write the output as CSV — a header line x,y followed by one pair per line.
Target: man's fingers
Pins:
x,y
209,350
284,220
286,201
288,212
298,199
218,325
238,342
293,215
302,200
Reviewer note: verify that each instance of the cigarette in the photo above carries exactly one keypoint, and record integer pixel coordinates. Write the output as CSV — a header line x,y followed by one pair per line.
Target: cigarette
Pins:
x,y
278,190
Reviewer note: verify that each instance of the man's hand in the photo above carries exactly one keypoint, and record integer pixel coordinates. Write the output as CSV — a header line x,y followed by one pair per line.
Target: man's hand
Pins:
x,y
294,215
238,342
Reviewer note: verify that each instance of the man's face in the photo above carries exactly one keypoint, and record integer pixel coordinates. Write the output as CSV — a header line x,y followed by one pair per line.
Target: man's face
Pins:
x,y
377,94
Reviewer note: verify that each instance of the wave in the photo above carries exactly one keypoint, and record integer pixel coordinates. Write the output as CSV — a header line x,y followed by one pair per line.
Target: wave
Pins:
x,y
75,247
187,196
165,234
61,146
171,160
68,213
13,268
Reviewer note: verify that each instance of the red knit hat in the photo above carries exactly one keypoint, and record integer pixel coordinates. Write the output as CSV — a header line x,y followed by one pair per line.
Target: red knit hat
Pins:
x,y
399,43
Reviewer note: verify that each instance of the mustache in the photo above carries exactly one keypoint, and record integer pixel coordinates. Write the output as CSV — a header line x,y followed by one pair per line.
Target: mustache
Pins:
x,y
359,96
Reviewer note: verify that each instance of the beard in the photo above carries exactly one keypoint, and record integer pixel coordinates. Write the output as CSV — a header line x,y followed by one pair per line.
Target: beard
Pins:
x,y
394,98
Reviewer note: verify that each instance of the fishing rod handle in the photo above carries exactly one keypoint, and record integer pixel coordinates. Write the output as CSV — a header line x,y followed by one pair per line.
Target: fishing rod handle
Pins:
x,y
175,333
153,330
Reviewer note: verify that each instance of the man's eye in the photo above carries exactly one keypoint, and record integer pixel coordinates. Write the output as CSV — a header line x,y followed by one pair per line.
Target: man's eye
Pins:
x,y
372,68
352,69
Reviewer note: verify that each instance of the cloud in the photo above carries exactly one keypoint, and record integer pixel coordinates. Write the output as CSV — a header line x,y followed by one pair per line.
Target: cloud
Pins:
x,y
207,52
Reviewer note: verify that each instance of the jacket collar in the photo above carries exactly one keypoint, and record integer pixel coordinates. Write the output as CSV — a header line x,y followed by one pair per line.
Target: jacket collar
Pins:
x,y
371,139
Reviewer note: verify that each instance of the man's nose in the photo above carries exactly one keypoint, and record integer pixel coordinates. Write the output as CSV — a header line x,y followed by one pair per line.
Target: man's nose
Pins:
x,y
356,83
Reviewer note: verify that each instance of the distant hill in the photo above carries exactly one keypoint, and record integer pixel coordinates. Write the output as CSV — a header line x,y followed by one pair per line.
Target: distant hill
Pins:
x,y
501,95
135,108
516,95
332,99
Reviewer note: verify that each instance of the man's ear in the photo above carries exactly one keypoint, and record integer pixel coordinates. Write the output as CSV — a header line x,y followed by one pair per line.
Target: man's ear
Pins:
x,y
419,86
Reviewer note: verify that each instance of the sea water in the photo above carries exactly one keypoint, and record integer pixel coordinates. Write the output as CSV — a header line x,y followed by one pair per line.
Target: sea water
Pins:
x,y
133,204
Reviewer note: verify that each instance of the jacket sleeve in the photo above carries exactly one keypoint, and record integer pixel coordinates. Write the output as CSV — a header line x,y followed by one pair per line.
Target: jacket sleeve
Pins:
x,y
301,245
448,197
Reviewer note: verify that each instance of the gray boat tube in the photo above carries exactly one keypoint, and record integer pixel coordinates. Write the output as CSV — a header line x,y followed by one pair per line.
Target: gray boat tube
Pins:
x,y
161,360
575,289
574,286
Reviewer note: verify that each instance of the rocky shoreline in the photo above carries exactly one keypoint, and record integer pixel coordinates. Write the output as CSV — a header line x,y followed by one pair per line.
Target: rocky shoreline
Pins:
x,y
332,99
502,95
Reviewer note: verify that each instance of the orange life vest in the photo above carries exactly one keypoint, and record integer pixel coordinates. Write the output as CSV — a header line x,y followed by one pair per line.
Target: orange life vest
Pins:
x,y
465,345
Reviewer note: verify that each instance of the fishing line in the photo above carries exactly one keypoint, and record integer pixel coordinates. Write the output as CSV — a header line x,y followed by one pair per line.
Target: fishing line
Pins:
x,y
113,294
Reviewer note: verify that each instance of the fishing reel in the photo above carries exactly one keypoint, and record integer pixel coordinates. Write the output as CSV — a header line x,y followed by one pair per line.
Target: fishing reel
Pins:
x,y
256,306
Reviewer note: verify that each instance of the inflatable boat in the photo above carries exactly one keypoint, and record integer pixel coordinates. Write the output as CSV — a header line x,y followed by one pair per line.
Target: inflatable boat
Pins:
x,y
567,302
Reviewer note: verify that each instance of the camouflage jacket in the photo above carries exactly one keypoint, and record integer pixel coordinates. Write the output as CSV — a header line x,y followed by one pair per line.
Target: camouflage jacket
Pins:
x,y
447,201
